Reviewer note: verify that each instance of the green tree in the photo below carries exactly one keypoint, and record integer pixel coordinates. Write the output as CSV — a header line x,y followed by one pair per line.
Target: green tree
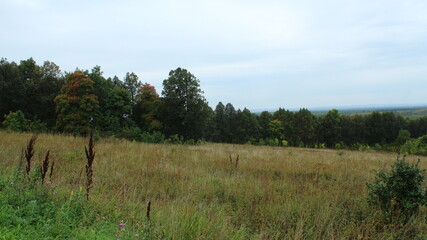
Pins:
x,y
288,120
277,130
230,123
76,105
331,128
247,127
12,88
305,125
403,136
220,123
132,84
184,110
354,129
114,103
264,120
418,127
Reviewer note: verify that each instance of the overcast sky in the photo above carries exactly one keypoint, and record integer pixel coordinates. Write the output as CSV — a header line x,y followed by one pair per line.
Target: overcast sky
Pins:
x,y
255,54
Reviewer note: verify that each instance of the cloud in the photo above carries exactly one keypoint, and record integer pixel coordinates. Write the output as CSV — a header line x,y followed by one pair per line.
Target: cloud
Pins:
x,y
256,54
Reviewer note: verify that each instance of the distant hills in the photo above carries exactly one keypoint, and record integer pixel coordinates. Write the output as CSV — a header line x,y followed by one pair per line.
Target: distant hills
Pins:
x,y
410,111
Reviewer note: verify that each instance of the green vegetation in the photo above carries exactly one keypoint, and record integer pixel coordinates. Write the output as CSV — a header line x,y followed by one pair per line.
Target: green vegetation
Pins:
x,y
210,191
398,193
42,98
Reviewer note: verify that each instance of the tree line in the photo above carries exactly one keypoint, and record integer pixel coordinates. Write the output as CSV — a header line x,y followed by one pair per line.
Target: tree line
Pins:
x,y
43,98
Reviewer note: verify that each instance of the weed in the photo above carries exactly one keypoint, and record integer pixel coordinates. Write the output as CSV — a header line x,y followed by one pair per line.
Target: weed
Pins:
x,y
90,156
44,166
29,153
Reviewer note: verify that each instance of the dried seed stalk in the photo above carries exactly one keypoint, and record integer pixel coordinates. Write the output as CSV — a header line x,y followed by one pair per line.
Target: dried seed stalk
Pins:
x,y
29,153
236,162
51,170
148,211
90,156
45,166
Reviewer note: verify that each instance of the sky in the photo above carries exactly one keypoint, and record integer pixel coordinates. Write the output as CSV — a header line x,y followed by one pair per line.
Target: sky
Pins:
x,y
255,54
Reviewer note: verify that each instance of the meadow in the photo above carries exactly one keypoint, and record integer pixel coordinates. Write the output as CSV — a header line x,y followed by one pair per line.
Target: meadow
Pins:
x,y
197,192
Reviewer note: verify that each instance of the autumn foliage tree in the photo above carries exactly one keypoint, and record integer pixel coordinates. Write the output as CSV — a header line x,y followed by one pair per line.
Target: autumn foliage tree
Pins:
x,y
147,103
76,104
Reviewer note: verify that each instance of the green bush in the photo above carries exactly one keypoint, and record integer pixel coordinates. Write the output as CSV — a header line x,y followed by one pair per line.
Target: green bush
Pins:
x,y
132,133
155,137
16,121
398,193
415,146
403,136
175,139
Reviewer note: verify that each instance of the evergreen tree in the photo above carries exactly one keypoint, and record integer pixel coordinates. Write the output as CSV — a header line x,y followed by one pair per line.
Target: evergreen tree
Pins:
x,y
230,123
220,123
305,125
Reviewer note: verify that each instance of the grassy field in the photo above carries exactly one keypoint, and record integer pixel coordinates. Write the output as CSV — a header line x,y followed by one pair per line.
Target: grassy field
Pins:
x,y
196,193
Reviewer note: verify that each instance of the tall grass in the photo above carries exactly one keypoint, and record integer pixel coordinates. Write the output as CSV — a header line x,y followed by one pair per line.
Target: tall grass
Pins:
x,y
275,193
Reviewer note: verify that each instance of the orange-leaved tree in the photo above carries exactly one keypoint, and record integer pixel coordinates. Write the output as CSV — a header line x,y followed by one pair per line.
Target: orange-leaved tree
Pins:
x,y
147,103
76,104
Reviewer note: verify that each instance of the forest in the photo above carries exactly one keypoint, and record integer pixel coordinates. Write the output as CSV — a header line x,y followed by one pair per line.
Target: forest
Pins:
x,y
43,98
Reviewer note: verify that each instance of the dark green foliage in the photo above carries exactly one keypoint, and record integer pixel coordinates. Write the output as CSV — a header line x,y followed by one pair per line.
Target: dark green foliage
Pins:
x,y
153,137
132,84
114,103
131,133
43,84
125,109
12,88
264,120
220,123
404,135
288,120
398,193
29,88
247,128
418,127
184,110
331,128
230,123
305,125
175,139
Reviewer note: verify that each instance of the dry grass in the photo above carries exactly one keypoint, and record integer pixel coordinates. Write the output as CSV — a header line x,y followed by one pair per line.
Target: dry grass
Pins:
x,y
274,193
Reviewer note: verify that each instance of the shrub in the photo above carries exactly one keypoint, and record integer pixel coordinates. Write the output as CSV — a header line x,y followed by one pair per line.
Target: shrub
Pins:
x,y
154,137
285,143
133,134
415,146
16,121
175,139
398,193
403,136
